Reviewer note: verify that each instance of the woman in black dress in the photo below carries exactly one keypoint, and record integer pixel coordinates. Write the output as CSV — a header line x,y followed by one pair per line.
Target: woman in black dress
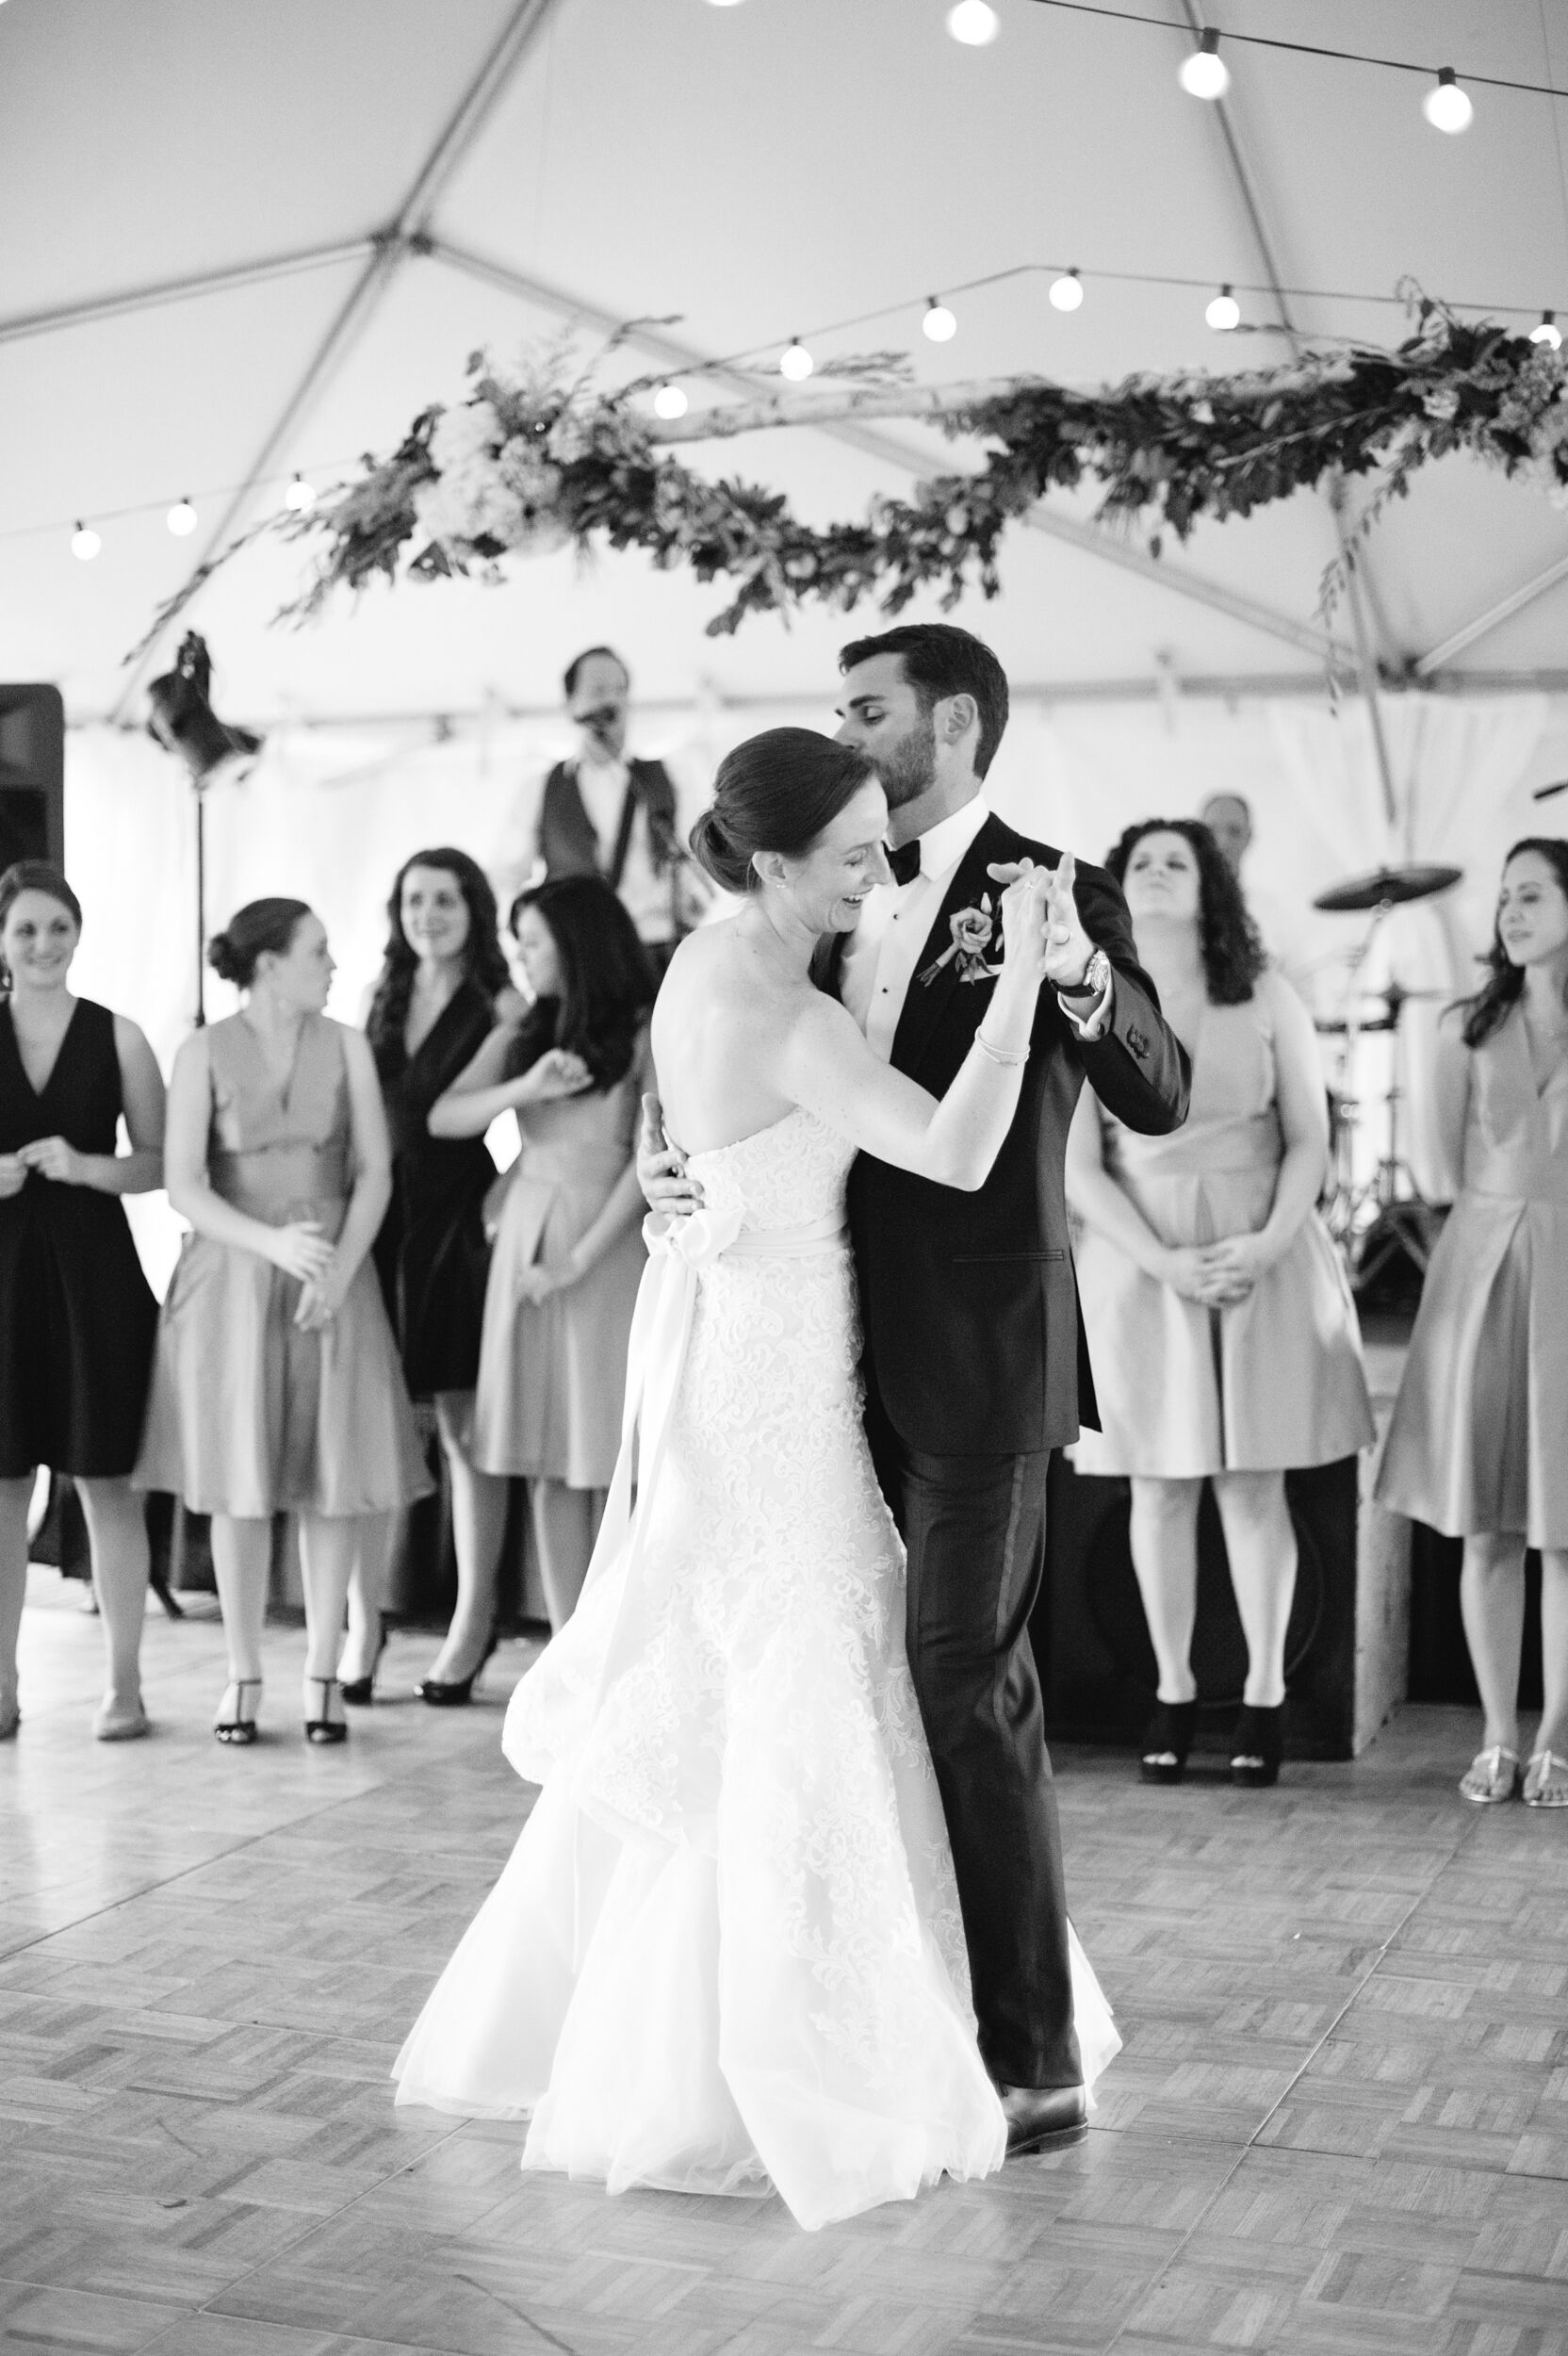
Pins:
x,y
444,984
76,1317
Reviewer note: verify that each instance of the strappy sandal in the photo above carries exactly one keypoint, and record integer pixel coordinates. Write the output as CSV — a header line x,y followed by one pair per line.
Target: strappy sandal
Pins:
x,y
1492,1775
325,1729
239,1729
1546,1780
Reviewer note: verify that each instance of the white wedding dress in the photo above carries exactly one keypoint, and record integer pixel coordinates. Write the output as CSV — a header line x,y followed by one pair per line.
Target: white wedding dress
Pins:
x,y
726,1955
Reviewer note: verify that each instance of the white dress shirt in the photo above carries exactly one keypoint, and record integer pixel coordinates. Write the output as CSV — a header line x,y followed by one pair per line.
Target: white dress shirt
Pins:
x,y
882,952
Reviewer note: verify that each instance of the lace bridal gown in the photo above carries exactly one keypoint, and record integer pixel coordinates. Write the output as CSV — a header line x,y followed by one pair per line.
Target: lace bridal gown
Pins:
x,y
726,1955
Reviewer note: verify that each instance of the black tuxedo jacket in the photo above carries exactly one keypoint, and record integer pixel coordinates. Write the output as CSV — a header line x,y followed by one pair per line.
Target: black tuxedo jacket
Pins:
x,y
968,1301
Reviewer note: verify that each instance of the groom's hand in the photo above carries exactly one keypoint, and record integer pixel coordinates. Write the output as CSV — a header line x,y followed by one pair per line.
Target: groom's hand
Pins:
x,y
661,1167
1068,947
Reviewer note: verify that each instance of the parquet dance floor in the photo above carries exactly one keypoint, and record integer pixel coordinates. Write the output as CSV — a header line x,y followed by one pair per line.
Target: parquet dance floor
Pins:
x,y
1340,2122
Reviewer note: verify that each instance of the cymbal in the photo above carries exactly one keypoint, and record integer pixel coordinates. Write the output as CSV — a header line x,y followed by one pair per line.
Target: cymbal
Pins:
x,y
1388,887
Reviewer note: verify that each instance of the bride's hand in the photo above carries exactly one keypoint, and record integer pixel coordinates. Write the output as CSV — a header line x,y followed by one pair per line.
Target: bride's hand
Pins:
x,y
1023,929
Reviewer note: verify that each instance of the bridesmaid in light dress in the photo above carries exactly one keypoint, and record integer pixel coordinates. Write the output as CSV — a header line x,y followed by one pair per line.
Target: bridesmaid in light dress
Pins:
x,y
1478,1444
1219,1320
276,1384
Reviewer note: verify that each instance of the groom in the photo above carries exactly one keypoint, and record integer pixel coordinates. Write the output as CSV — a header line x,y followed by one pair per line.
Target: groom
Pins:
x,y
974,1366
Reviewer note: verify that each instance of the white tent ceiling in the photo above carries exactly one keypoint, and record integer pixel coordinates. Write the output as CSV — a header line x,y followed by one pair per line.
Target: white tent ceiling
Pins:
x,y
760,171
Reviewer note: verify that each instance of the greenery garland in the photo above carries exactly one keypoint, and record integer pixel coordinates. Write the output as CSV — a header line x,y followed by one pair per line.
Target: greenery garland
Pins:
x,y
534,462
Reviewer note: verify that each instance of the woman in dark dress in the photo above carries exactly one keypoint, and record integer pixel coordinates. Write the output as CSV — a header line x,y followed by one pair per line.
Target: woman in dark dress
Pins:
x,y
76,1317
443,985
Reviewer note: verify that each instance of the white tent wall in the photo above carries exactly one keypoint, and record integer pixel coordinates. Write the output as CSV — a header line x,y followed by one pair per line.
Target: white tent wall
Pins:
x,y
329,814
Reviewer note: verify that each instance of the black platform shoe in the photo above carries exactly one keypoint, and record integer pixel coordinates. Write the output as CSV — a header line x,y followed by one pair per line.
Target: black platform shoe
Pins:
x,y
359,1691
1257,1746
1167,1740
450,1693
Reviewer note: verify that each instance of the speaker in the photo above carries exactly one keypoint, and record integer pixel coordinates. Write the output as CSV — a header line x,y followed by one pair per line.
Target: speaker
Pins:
x,y
1440,1669
1091,1640
32,774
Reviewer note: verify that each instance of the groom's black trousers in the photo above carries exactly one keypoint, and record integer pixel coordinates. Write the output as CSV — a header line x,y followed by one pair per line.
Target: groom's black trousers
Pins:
x,y
974,1530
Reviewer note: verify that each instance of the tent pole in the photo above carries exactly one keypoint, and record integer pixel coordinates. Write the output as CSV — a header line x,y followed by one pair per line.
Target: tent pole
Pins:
x,y
116,307
1503,611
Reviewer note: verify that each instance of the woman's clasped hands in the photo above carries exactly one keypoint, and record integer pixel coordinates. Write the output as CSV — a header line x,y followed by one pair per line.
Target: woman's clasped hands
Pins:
x,y
1221,1274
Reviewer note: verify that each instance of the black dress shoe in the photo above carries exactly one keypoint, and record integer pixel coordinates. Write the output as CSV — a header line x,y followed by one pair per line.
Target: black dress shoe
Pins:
x,y
444,1693
1044,2119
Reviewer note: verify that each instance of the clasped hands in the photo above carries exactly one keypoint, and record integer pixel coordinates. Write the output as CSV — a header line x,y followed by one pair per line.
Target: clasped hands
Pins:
x,y
1217,1275
52,1157
1066,948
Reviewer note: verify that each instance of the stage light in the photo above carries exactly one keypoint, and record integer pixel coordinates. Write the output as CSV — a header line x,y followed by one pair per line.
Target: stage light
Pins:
x,y
181,519
1548,332
670,402
85,543
1447,107
974,22
1224,312
183,721
797,363
939,322
300,495
1203,75
1067,292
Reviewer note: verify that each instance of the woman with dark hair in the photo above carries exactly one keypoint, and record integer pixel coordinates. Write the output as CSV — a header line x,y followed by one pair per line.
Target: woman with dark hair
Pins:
x,y
569,1255
1478,1444
76,1317
1219,1319
276,1386
442,983
726,1948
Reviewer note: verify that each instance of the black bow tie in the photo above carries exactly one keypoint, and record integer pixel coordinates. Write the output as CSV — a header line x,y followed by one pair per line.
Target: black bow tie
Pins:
x,y
905,861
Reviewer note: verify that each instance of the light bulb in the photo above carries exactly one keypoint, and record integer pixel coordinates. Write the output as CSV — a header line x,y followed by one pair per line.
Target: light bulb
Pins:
x,y
1447,107
1548,332
723,4
1203,75
1067,292
939,322
181,519
85,543
974,22
300,495
797,363
1224,312
670,402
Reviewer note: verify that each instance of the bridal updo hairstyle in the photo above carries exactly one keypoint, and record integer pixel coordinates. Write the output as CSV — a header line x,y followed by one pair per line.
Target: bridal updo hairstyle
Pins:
x,y
261,928
775,792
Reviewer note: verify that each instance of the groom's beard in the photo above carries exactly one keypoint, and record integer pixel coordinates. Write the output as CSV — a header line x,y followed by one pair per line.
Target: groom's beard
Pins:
x,y
907,769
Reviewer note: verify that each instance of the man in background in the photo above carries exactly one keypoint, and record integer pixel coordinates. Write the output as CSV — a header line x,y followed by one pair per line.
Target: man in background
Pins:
x,y
1229,819
603,813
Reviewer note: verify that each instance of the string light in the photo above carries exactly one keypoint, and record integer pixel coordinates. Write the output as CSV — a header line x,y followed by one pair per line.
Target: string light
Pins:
x,y
300,495
1548,332
939,322
1447,107
85,543
1067,292
1205,75
669,400
795,362
974,22
1224,312
723,4
181,519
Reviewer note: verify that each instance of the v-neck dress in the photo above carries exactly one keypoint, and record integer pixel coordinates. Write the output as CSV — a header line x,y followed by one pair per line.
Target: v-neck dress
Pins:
x,y
1184,1390
431,1255
249,1416
1479,1437
77,1315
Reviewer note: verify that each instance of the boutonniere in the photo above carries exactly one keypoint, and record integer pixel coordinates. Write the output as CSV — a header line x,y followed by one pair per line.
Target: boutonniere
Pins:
x,y
973,931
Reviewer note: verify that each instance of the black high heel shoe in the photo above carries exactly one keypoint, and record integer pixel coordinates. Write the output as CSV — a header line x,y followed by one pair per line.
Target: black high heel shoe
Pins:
x,y
239,1731
325,1729
1167,1740
1257,1746
450,1693
359,1690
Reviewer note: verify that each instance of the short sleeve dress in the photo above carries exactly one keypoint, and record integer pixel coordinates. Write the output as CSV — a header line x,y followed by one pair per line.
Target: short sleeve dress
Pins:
x,y
552,1376
1186,1390
431,1255
76,1315
249,1416
1479,1437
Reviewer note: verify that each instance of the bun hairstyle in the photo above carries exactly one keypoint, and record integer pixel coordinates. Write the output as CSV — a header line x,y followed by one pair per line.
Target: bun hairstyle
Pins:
x,y
260,928
775,792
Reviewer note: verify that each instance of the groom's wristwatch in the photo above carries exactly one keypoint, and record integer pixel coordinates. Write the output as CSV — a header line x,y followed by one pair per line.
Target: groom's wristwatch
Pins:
x,y
1096,981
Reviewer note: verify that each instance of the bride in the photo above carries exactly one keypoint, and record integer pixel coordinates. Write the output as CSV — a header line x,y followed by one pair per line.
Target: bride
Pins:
x,y
726,1955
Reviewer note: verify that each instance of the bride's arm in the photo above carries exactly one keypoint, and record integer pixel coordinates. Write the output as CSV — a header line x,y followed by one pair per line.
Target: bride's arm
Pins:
x,y
828,1069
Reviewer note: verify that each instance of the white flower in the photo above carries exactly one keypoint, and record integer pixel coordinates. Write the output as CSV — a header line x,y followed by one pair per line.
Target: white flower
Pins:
x,y
569,439
1442,403
529,474
464,433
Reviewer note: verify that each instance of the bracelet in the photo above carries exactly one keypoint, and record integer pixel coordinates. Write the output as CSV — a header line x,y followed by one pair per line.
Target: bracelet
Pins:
x,y
1010,1056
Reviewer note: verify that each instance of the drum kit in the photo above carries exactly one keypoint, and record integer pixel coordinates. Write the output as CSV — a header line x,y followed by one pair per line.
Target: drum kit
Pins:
x,y
1375,1216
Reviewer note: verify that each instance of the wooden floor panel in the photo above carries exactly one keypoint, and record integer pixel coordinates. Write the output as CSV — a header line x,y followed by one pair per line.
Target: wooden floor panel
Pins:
x,y
1339,2123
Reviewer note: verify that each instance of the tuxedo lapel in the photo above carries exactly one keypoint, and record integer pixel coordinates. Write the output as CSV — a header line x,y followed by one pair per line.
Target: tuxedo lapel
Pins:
x,y
926,1003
